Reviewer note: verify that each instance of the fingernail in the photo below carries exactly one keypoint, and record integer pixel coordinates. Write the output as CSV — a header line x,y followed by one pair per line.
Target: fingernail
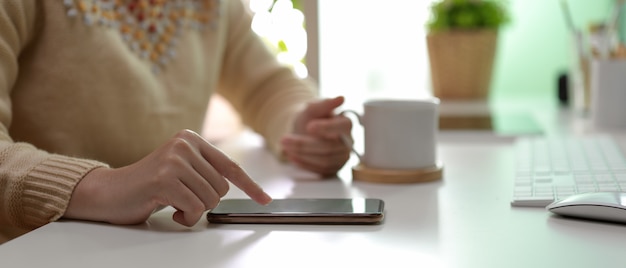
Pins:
x,y
267,199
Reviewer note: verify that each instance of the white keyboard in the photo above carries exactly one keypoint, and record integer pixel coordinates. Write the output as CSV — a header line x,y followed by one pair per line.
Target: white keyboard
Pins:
x,y
550,169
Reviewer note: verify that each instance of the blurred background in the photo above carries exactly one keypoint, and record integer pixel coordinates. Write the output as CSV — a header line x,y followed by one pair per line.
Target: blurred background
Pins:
x,y
369,48
366,49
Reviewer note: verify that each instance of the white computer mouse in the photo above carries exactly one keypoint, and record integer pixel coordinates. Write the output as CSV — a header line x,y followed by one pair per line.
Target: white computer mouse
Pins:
x,y
604,206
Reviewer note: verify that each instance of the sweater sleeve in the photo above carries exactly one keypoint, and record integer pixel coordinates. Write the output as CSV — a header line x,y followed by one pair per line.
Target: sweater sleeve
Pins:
x,y
35,186
266,94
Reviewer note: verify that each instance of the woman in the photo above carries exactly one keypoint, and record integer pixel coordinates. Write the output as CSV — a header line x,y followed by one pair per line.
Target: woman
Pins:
x,y
101,100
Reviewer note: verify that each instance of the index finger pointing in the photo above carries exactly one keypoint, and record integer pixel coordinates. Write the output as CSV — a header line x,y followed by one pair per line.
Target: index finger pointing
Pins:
x,y
231,171
235,174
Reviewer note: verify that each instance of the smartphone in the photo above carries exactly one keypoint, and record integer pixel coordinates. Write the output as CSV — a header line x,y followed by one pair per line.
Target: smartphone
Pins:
x,y
303,211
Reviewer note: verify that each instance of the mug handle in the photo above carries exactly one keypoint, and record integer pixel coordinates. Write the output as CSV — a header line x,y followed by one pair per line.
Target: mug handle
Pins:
x,y
347,140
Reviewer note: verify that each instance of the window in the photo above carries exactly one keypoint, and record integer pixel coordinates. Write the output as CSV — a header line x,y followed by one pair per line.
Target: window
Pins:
x,y
373,48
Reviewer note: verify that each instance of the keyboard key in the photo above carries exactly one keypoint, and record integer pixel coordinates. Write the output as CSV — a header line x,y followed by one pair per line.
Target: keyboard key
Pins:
x,y
608,188
586,188
545,180
532,201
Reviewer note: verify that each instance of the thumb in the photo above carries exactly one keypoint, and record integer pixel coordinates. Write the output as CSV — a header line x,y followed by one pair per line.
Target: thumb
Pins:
x,y
324,107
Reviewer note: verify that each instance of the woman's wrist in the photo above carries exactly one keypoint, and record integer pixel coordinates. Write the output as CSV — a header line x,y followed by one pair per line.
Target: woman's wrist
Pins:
x,y
85,200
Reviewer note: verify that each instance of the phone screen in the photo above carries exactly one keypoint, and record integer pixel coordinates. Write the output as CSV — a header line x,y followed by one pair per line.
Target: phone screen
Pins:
x,y
354,210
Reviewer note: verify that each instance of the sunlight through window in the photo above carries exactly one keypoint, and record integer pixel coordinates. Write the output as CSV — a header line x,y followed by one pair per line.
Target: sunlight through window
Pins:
x,y
282,27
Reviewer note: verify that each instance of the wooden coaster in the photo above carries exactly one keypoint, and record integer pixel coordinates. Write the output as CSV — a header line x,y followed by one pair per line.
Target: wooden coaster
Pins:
x,y
363,173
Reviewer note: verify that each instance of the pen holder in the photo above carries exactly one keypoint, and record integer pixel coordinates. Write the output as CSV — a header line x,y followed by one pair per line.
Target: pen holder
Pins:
x,y
608,90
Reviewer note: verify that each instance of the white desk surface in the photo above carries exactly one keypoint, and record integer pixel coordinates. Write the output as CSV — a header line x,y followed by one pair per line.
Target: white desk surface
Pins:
x,y
464,220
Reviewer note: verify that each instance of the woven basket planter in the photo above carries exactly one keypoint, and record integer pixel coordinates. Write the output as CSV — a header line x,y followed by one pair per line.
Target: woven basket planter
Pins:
x,y
461,63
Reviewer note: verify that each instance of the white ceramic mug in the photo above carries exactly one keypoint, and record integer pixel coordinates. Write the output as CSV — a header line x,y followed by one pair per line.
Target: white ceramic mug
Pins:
x,y
399,134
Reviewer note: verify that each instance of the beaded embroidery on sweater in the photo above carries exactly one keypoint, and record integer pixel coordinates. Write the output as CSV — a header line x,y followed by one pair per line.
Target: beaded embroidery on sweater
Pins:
x,y
150,28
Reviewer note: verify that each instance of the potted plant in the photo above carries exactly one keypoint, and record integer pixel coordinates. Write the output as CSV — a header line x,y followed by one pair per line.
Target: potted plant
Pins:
x,y
461,40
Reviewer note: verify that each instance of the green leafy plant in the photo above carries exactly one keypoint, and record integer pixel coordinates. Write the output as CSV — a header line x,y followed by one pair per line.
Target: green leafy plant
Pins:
x,y
467,15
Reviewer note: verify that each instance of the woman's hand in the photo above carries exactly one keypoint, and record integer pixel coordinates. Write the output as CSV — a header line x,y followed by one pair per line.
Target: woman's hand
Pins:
x,y
187,173
316,143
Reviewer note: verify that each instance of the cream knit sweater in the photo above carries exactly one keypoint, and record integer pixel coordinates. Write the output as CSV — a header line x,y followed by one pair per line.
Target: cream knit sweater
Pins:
x,y
86,83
